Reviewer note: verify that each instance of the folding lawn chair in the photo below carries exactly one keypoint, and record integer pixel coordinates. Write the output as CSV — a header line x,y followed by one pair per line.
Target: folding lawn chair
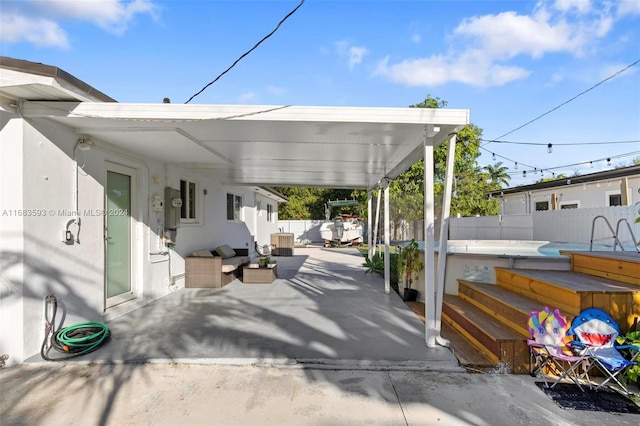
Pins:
x,y
550,350
596,332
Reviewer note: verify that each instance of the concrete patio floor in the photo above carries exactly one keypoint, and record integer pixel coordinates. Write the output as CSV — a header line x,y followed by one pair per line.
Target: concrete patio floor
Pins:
x,y
322,345
322,310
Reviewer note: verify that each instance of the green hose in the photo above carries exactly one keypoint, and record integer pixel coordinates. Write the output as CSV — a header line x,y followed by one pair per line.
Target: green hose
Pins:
x,y
75,340
82,338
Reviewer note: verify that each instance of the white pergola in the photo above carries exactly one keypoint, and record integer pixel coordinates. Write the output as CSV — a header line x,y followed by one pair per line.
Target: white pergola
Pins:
x,y
311,146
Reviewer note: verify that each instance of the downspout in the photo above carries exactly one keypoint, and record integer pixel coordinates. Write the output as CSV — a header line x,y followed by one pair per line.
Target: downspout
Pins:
x,y
444,237
387,266
429,255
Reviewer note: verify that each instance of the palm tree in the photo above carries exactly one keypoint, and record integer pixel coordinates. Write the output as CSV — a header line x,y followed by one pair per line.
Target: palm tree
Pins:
x,y
498,174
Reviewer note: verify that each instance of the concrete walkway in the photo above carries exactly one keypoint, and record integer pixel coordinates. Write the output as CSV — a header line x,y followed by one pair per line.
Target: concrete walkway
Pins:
x,y
322,309
323,345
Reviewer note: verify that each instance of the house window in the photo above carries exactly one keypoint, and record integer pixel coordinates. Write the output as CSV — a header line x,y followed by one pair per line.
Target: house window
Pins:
x,y
569,205
615,199
188,194
234,207
542,206
269,212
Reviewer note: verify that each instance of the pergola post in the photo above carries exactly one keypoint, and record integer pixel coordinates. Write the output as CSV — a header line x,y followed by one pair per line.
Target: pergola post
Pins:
x,y
369,224
429,248
444,237
387,241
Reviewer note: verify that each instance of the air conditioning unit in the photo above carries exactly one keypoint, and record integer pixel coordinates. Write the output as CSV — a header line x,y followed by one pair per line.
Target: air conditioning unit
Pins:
x,y
282,244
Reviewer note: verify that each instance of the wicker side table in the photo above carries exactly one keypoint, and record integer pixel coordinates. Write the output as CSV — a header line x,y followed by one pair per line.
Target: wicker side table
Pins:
x,y
260,275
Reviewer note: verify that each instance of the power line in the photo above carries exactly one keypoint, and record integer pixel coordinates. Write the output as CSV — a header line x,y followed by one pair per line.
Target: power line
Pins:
x,y
566,102
559,143
248,51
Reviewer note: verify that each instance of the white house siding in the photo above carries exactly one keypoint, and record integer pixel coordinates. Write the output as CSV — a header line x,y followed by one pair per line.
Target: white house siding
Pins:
x,y
11,241
588,195
263,228
37,177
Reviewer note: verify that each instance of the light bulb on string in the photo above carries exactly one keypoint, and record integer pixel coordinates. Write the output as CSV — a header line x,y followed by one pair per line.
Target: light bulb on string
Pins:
x,y
535,170
493,156
550,148
524,173
591,164
608,161
516,165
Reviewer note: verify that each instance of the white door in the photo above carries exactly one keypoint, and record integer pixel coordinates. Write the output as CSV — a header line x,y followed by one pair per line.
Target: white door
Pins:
x,y
119,232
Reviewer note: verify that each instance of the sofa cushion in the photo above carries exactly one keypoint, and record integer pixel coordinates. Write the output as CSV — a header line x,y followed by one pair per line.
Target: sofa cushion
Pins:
x,y
233,263
202,253
225,251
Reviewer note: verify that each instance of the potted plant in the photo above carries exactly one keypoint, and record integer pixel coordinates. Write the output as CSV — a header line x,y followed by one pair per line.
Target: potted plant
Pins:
x,y
265,261
409,265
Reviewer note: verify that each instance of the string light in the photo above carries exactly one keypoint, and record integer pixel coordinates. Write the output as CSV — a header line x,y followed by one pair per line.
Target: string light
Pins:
x,y
550,148
524,173
493,156
516,165
608,161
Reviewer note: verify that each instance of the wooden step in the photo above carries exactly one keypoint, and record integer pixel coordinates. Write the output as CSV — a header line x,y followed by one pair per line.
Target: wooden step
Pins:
x,y
620,266
504,346
468,355
510,308
571,292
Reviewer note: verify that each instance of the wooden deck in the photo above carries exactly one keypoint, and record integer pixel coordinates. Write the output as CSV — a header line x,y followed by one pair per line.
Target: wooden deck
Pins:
x,y
468,356
486,323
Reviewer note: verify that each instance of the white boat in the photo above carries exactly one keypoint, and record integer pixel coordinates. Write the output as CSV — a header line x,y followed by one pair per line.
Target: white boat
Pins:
x,y
342,229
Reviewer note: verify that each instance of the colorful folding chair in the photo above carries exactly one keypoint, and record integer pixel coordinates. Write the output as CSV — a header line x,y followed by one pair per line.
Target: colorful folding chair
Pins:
x,y
595,333
550,350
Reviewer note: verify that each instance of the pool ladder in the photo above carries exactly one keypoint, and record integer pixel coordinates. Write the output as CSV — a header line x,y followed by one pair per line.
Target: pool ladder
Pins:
x,y
616,240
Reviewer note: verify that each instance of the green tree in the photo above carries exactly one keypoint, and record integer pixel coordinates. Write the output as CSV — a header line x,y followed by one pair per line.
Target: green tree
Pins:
x,y
498,175
308,203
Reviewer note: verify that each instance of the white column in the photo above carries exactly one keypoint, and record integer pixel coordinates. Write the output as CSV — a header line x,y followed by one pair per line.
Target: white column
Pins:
x,y
444,236
377,224
429,247
387,241
369,224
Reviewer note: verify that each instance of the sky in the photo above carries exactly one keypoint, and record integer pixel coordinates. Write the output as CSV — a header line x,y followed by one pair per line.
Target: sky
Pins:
x,y
531,73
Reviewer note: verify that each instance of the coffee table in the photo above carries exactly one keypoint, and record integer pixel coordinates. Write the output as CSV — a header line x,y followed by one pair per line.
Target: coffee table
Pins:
x,y
261,275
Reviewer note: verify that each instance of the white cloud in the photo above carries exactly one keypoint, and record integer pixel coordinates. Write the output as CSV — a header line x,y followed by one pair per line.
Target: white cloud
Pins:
x,y
628,7
483,47
247,97
37,22
38,31
580,6
438,70
354,54
111,15
277,91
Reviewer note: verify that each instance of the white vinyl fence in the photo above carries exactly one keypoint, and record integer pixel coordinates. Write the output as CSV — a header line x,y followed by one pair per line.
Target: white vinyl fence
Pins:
x,y
570,225
304,231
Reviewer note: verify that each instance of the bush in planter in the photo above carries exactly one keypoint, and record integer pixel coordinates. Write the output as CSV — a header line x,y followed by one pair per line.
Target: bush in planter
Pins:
x,y
375,265
409,265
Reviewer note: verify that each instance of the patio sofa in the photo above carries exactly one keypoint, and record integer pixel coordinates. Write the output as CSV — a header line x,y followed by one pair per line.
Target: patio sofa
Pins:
x,y
214,268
